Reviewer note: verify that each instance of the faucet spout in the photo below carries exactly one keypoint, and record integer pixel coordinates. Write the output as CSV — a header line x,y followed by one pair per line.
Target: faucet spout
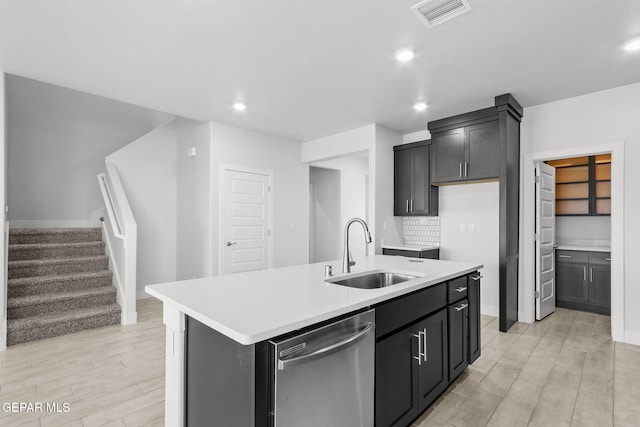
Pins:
x,y
347,261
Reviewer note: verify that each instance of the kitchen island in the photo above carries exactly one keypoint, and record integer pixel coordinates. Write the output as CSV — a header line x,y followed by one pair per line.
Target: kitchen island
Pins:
x,y
250,308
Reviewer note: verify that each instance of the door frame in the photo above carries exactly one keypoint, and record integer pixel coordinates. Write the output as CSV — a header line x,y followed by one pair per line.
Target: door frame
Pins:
x,y
526,287
221,197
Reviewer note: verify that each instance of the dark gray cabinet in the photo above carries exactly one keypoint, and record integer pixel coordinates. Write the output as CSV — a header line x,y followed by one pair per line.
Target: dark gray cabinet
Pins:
x,y
458,315
583,280
428,254
411,370
485,145
468,153
473,295
413,192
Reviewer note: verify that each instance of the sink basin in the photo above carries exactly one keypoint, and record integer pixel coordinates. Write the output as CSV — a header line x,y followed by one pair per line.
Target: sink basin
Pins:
x,y
375,280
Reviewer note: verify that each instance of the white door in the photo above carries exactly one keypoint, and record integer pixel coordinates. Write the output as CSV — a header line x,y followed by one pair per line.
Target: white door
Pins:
x,y
244,228
545,240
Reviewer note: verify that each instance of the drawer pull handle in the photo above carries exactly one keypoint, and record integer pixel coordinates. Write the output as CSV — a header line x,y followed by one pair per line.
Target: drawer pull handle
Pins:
x,y
564,256
462,307
607,259
478,277
461,289
421,355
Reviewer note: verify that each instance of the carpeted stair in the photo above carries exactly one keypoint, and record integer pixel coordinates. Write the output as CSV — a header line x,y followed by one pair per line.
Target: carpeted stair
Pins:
x,y
59,282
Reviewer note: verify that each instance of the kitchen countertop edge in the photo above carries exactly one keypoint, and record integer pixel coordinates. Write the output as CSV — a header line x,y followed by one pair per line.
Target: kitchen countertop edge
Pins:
x,y
363,298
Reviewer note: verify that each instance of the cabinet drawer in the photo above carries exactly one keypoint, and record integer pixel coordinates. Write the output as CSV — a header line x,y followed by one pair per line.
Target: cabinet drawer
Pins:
x,y
409,308
580,257
600,258
456,289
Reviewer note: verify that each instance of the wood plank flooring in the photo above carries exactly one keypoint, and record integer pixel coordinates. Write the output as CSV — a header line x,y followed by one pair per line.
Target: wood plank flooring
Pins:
x,y
563,371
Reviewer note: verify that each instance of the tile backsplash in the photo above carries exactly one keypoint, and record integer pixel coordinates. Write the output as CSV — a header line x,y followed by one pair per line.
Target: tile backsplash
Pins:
x,y
421,230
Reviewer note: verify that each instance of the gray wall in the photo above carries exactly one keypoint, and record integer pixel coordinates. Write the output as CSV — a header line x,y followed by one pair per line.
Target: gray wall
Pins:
x,y
583,227
147,168
194,201
57,141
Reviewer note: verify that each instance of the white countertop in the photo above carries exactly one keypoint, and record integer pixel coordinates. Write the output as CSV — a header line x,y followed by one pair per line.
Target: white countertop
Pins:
x,y
255,306
584,248
403,247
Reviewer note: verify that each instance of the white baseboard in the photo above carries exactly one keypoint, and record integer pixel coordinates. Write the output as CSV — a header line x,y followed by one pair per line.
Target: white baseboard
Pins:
x,y
632,337
55,223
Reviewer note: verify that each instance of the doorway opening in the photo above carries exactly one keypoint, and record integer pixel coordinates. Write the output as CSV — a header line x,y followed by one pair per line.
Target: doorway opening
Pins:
x,y
614,228
338,191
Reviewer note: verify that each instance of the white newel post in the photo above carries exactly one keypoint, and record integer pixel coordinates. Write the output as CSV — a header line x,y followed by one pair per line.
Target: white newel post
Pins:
x,y
174,319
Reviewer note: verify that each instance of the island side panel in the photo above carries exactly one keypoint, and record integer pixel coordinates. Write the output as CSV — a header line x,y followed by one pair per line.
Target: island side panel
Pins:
x,y
220,379
174,320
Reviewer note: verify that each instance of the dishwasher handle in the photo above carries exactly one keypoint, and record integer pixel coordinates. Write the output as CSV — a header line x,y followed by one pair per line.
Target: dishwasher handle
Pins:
x,y
326,351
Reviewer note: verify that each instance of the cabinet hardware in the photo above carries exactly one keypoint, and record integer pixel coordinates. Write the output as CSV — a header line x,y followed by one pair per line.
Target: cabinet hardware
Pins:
x,y
411,205
466,169
607,259
231,243
420,355
584,275
460,170
461,307
478,277
564,256
408,206
424,345
461,289
591,274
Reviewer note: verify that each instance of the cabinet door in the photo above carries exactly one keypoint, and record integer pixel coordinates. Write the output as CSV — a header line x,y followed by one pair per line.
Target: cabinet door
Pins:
x,y
473,293
447,156
483,153
571,282
600,285
397,378
458,338
420,203
401,181
433,370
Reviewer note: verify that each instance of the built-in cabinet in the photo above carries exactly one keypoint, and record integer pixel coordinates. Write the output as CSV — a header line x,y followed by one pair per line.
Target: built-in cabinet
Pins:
x,y
423,343
413,192
583,280
466,153
485,145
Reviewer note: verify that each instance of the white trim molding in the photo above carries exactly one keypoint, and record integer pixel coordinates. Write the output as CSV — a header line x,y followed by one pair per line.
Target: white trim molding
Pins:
x,y
526,312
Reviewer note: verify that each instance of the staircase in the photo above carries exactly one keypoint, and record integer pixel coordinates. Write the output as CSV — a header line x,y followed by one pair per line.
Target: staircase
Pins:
x,y
58,283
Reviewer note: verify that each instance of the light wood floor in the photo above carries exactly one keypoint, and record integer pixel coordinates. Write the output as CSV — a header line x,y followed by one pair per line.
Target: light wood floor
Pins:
x,y
111,376
563,371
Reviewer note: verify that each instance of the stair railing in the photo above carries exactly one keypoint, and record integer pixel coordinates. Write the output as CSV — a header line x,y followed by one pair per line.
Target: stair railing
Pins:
x,y
120,232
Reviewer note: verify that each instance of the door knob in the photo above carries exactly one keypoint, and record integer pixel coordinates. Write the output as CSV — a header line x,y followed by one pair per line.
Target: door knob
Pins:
x,y
231,243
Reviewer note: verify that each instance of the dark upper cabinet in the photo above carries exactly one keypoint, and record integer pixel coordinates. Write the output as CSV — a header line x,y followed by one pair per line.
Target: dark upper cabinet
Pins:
x,y
583,280
468,153
413,192
448,155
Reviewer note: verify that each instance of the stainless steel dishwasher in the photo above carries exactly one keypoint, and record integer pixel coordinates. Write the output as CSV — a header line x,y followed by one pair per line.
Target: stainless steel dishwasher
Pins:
x,y
325,377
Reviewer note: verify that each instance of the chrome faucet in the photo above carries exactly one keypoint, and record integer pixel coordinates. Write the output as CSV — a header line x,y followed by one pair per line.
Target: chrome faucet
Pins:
x,y
347,262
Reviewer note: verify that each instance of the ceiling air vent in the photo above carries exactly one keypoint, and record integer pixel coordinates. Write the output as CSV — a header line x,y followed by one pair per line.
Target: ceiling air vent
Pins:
x,y
435,12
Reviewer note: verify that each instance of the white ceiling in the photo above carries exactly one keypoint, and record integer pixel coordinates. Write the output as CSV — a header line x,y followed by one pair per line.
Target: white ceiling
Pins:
x,y
311,69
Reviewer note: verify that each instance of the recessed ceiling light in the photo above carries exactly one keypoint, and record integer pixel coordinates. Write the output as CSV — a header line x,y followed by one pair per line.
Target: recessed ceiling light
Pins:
x,y
405,55
633,45
420,106
239,106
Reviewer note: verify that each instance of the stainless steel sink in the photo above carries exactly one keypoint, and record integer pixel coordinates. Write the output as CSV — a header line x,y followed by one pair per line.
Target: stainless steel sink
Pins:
x,y
375,280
